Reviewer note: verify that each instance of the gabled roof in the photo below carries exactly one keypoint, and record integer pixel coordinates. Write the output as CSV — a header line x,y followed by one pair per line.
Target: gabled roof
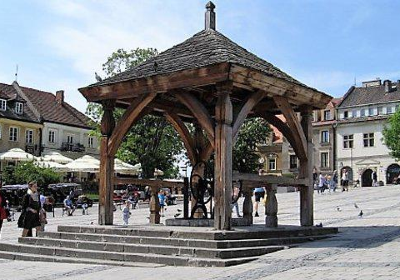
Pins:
x,y
9,93
208,47
357,96
52,111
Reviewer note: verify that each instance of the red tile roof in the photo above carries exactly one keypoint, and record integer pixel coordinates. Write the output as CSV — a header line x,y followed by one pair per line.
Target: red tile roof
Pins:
x,y
52,111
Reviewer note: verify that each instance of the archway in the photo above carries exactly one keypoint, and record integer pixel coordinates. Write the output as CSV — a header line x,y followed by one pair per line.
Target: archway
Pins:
x,y
366,178
392,172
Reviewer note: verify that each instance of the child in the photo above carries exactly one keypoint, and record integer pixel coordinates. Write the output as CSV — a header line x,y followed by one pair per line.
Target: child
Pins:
x,y
126,213
161,198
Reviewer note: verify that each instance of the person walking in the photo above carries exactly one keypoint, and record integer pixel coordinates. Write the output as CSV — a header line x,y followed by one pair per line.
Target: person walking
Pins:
x,y
161,198
126,214
235,198
29,218
374,178
3,212
259,193
334,181
321,183
345,180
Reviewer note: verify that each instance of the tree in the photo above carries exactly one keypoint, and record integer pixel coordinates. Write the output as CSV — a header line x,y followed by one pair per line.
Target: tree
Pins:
x,y
252,132
26,172
391,135
152,141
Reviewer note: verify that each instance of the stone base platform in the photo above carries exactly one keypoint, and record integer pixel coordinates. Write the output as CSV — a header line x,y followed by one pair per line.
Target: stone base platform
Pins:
x,y
159,245
203,222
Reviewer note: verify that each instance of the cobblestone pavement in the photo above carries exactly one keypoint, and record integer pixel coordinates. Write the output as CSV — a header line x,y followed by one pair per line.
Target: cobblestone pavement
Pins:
x,y
366,248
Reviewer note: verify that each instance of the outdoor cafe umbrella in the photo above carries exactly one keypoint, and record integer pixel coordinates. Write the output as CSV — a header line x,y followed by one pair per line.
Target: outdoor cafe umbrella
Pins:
x,y
57,157
125,168
16,154
84,164
157,172
52,164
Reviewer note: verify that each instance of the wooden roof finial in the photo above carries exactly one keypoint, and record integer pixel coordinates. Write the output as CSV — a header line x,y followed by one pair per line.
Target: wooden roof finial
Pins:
x,y
210,16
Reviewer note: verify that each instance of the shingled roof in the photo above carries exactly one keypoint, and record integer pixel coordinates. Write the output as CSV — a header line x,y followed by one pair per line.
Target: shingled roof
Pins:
x,y
9,93
208,47
357,96
52,111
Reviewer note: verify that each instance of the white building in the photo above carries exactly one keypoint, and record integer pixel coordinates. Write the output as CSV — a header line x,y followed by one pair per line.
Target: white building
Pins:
x,y
362,114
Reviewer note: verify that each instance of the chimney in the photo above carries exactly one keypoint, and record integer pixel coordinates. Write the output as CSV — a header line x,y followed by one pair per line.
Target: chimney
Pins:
x,y
388,86
210,16
60,96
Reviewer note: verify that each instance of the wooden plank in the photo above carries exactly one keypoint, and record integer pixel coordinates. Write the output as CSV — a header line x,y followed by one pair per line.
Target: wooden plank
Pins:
x,y
147,182
200,112
158,83
130,116
223,161
106,185
252,101
281,181
184,133
293,123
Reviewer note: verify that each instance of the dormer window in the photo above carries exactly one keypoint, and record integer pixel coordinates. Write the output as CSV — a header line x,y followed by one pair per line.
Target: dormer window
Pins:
x,y
327,115
3,104
19,108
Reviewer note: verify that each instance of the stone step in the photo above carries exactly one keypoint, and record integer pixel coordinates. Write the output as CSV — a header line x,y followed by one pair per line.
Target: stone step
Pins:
x,y
153,249
18,251
196,234
217,244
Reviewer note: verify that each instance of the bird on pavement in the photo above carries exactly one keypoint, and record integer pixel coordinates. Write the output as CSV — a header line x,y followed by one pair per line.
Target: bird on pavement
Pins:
x,y
338,209
319,225
177,215
361,214
355,205
179,210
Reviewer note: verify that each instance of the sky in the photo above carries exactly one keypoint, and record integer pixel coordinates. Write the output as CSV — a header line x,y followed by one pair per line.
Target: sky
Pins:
x,y
326,44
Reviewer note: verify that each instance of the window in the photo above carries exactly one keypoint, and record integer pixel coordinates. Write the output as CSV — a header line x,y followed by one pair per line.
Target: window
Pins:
x,y
348,141
293,161
380,110
272,163
324,160
354,113
363,112
90,142
325,136
345,114
70,139
371,111
327,115
29,136
1,132
19,108
13,134
368,139
390,110
3,104
52,136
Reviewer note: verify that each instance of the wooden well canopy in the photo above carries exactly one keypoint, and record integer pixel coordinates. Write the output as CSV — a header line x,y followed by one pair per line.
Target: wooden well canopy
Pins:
x,y
212,82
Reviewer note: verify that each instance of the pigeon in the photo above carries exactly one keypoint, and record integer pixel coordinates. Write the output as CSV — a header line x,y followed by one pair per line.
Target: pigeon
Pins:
x,y
179,210
338,209
361,214
98,78
319,225
355,205
177,215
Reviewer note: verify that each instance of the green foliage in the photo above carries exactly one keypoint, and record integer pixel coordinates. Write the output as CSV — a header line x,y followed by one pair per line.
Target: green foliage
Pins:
x,y
152,141
252,132
26,172
391,135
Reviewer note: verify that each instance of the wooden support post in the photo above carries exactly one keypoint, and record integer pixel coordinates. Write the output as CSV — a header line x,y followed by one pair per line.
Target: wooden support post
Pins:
x,y
154,206
271,207
305,172
247,203
106,186
223,159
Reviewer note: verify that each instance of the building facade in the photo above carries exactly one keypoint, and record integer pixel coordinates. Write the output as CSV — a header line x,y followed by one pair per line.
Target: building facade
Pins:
x,y
362,115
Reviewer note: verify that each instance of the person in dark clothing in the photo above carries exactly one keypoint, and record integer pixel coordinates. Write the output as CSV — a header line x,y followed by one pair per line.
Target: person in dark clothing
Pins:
x,y
29,218
3,212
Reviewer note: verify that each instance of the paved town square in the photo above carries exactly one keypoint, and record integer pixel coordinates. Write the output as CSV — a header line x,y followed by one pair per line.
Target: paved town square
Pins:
x,y
366,247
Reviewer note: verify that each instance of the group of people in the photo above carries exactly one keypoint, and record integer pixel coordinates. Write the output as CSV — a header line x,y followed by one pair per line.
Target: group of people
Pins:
x,y
325,182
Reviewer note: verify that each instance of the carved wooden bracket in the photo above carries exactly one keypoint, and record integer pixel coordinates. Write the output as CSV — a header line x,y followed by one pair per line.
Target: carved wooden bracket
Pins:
x,y
107,120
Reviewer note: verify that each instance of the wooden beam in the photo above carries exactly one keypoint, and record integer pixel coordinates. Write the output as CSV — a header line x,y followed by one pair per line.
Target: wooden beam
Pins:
x,y
200,112
285,130
293,122
184,133
252,101
158,83
131,115
280,181
148,182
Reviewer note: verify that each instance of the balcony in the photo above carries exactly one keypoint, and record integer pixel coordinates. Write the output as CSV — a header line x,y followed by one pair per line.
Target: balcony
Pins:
x,y
72,147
